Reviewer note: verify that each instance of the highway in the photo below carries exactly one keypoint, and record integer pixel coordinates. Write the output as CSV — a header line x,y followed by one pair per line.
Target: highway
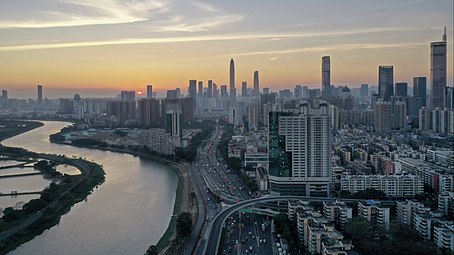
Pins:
x,y
211,177
221,180
215,227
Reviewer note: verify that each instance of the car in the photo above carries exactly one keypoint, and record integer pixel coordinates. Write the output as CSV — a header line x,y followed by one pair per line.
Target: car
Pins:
x,y
264,240
250,248
250,233
260,240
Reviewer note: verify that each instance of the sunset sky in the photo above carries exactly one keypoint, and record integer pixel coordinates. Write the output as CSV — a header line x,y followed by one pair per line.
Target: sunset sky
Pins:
x,y
97,48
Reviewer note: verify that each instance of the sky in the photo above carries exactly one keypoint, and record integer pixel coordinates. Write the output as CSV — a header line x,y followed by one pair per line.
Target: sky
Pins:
x,y
97,48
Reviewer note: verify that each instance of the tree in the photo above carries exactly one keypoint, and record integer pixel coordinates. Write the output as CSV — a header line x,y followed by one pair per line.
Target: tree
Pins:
x,y
152,250
370,194
184,224
120,133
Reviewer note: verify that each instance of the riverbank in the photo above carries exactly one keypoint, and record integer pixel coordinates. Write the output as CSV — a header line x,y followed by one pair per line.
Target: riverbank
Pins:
x,y
20,226
10,128
181,196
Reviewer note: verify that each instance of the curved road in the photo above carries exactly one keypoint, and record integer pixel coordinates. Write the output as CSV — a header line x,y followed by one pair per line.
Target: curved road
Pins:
x,y
215,228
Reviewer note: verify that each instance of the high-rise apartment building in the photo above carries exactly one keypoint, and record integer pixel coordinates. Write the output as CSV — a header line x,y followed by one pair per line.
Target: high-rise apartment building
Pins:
x,y
232,80
438,72
173,123
124,111
390,114
149,91
127,95
385,82
326,76
298,91
253,116
149,111
300,151
256,91
383,116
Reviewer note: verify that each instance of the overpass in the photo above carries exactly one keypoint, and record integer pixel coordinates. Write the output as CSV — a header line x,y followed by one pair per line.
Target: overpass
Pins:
x,y
214,232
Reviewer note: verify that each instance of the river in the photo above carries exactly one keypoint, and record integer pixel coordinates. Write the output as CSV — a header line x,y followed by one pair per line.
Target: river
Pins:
x,y
128,212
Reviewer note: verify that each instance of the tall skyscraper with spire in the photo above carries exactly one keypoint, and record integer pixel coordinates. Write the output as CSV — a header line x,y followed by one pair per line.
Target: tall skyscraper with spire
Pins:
x,y
256,91
326,76
438,72
232,80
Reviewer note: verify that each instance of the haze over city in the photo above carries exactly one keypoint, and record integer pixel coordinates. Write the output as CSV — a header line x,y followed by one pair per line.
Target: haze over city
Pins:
x,y
97,48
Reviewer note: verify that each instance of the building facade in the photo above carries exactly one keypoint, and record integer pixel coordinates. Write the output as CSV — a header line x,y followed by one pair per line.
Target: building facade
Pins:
x,y
300,151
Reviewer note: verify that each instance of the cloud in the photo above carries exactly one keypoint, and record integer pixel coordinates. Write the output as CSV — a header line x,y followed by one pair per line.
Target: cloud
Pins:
x,y
86,12
201,25
220,37
205,7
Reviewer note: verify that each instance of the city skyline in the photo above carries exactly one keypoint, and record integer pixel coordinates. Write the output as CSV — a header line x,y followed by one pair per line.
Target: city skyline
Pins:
x,y
101,48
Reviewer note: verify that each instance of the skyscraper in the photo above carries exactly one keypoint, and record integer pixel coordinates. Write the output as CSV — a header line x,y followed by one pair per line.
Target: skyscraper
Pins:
x,y
232,80
148,111
244,89
298,91
200,89
300,151
173,123
326,76
383,115
210,89
4,95
4,99
150,91
420,89
40,94
128,95
449,98
438,72
364,91
224,91
256,91
192,91
215,91
401,89
385,82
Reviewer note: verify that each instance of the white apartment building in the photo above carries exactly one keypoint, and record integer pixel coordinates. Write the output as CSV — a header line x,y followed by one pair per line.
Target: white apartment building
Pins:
x,y
392,185
373,212
406,211
337,212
